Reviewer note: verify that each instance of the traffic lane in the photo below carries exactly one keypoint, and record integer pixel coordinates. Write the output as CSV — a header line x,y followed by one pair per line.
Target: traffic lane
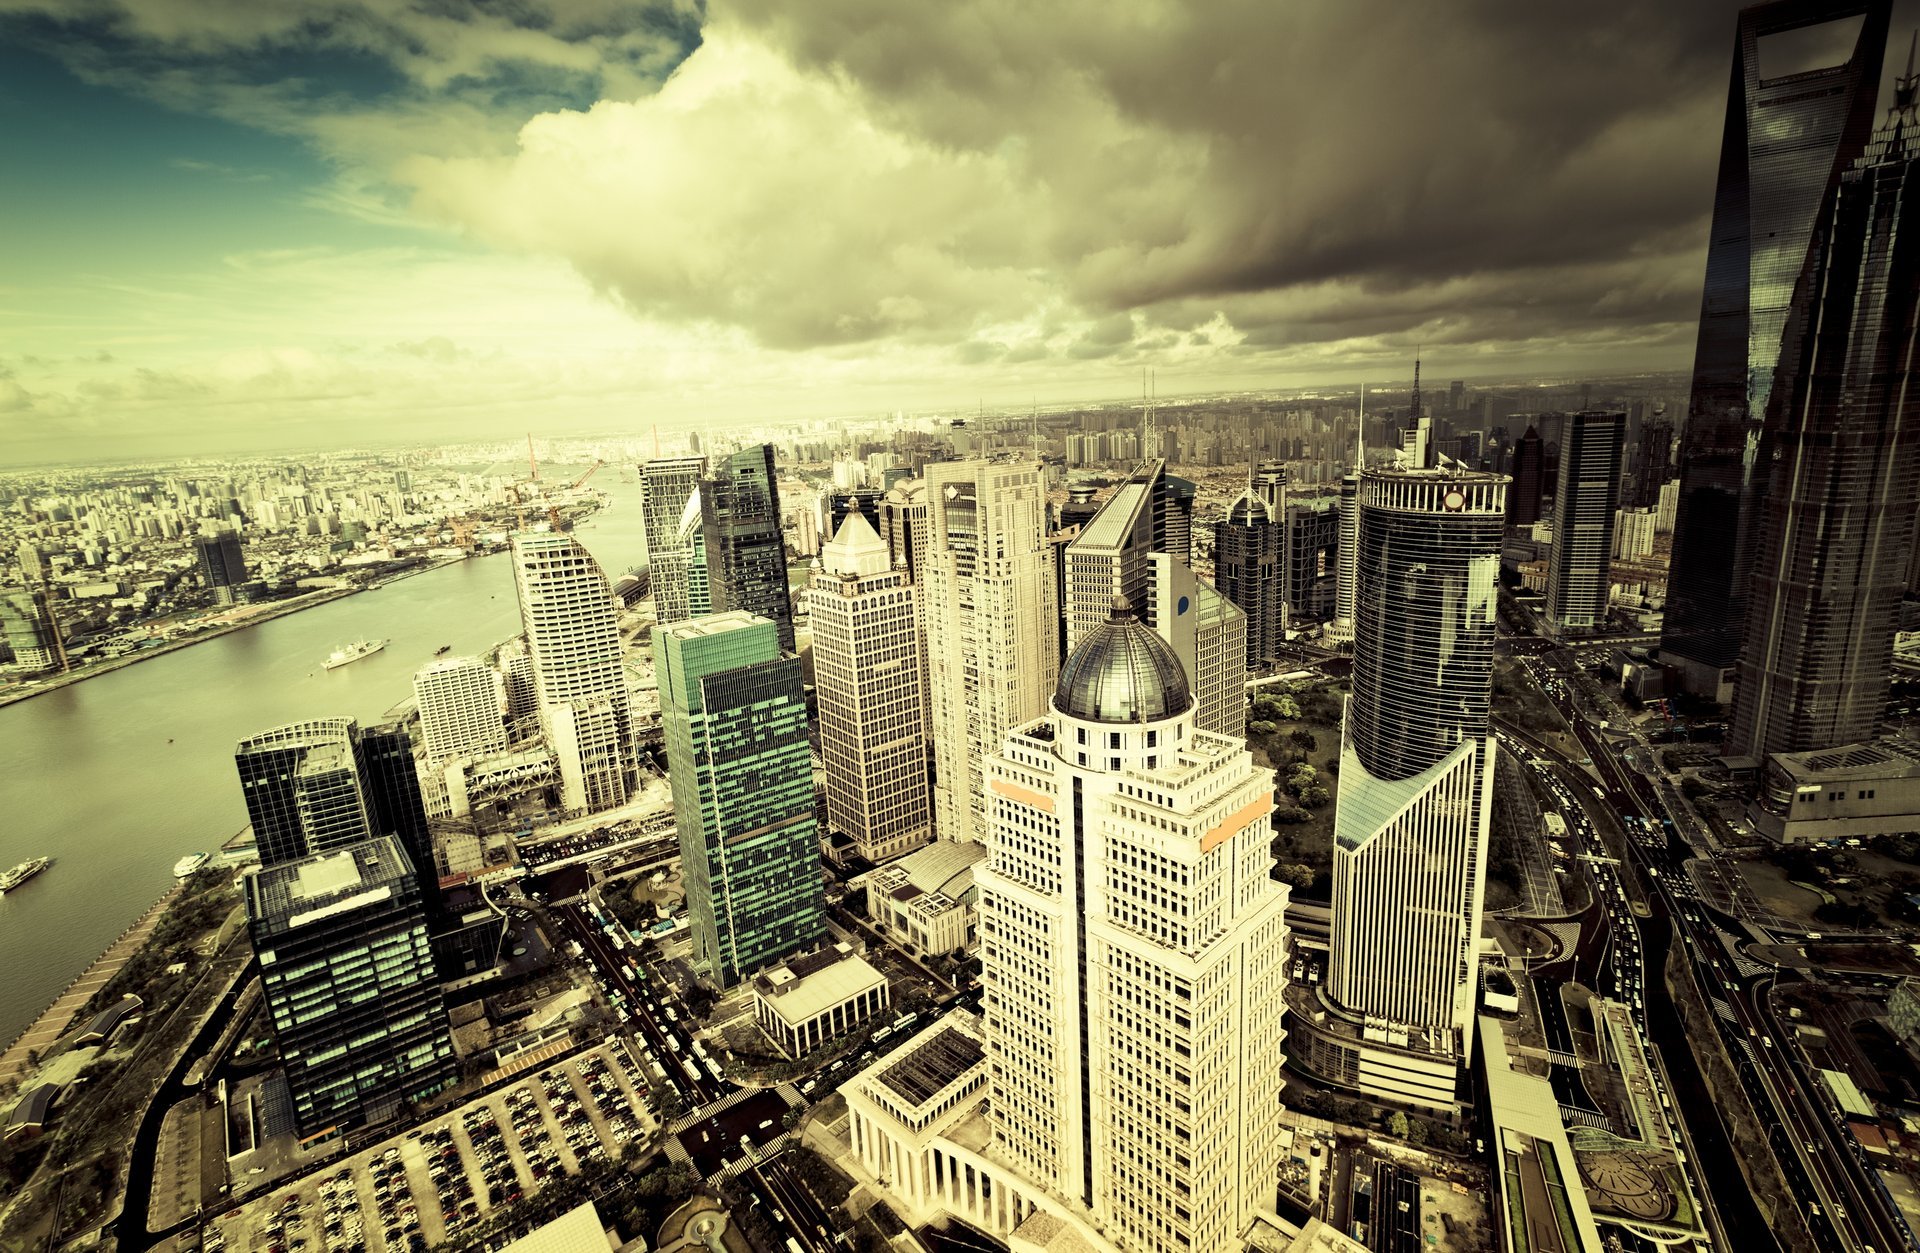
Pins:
x,y
714,1140
667,1045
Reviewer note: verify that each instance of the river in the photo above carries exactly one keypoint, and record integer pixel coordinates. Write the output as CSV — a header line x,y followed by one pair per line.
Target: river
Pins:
x,y
116,777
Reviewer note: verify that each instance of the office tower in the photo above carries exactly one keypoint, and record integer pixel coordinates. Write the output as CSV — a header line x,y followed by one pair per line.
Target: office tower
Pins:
x,y
864,501
746,553
1529,478
516,671
567,608
222,567
1578,586
1173,499
462,701
1345,583
1655,464
1456,397
735,720
1842,451
665,488
1134,954
992,625
868,682
1416,755
699,588
1249,554
903,525
1785,144
1113,556
1080,507
29,628
348,978
1311,558
301,783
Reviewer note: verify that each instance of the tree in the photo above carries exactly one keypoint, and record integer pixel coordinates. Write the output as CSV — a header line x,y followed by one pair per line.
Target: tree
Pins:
x,y
1303,738
1397,1125
1314,796
1418,1131
1294,874
1288,708
1261,727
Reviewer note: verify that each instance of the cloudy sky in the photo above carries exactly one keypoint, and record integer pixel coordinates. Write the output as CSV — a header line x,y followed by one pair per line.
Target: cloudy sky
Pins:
x,y
235,224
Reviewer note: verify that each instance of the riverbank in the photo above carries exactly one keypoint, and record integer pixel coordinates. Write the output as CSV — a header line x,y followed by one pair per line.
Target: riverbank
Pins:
x,y
276,609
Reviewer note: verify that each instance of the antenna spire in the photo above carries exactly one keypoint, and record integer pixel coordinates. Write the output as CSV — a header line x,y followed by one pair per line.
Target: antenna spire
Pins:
x,y
1416,385
1360,434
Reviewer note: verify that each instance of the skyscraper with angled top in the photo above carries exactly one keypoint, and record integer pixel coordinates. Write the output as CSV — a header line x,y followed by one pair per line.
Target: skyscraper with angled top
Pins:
x,y
746,552
573,636
1786,142
666,485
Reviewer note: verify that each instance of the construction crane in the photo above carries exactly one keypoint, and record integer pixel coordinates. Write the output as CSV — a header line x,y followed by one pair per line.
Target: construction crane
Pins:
x,y
533,466
577,483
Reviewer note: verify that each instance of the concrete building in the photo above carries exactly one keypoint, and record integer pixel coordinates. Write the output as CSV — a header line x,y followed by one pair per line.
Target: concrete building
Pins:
x,y
927,902
806,1002
348,978
666,485
1853,791
735,719
1578,586
1633,532
462,703
1417,763
1539,1185
573,637
868,663
992,624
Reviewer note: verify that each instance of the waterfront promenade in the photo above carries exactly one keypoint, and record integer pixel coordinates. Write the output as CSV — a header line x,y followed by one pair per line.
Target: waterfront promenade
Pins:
x,y
51,1025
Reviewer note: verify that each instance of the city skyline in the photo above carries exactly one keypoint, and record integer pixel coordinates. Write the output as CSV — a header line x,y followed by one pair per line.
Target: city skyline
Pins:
x,y
368,221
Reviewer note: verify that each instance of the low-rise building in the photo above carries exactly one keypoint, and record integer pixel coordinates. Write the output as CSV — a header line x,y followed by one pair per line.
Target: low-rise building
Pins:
x,y
807,1001
1850,792
31,1113
925,901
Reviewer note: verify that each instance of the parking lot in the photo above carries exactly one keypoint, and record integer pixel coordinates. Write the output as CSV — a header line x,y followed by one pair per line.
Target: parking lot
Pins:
x,y
432,1184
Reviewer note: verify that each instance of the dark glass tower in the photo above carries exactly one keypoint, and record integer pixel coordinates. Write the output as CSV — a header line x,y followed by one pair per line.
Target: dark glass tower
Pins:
x,y
746,553
864,501
1784,146
1654,466
392,788
1578,584
349,981
222,565
301,783
1529,479
1841,455
1249,552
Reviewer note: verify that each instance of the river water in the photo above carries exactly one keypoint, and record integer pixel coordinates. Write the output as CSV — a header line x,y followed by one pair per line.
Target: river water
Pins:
x,y
118,776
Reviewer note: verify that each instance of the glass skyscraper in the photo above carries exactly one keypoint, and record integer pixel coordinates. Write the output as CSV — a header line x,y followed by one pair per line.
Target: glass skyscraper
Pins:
x,y
1578,583
1249,560
1843,471
745,549
301,784
1785,143
735,720
666,485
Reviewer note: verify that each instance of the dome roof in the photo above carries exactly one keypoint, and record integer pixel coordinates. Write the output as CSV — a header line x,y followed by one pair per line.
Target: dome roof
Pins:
x,y
1122,672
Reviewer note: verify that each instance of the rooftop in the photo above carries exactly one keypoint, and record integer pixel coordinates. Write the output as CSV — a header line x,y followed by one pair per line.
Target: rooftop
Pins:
x,y
579,1230
1893,757
296,892
808,986
1122,671
942,866
933,1066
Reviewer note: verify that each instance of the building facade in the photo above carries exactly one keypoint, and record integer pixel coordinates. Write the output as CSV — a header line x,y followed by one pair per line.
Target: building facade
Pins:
x,y
745,548
1785,144
665,487
867,666
573,638
462,702
1249,555
348,980
301,784
222,566
1591,448
1417,755
992,624
735,718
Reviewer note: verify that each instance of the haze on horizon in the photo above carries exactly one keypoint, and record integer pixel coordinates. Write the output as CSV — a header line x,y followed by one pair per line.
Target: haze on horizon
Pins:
x,y
251,225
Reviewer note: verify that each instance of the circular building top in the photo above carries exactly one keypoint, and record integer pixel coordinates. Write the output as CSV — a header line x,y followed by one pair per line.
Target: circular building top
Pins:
x,y
1122,672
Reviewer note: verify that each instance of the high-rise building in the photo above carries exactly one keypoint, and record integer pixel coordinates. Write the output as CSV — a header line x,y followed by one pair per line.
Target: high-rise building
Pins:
x,y
573,636
1529,478
1114,556
1785,144
348,978
992,626
665,488
302,788
1311,558
1633,532
1417,755
903,525
868,682
1134,949
1842,451
462,703
1654,464
1578,583
746,551
864,501
735,722
1249,555
223,568
28,625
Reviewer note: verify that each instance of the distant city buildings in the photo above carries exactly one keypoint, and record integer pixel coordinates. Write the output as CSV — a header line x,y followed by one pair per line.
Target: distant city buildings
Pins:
x,y
579,677
735,718
868,668
992,624
1579,572
1787,141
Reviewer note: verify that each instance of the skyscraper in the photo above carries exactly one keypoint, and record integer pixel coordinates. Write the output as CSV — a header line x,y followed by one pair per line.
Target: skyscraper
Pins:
x,y
462,703
991,621
1841,455
1114,555
746,552
1249,560
222,566
573,636
301,784
1529,478
868,668
903,525
1785,144
349,984
1578,583
1416,760
1134,954
735,720
1654,465
666,485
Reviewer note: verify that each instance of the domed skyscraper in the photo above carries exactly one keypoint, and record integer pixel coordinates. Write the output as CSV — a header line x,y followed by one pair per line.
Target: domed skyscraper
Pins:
x,y
1133,945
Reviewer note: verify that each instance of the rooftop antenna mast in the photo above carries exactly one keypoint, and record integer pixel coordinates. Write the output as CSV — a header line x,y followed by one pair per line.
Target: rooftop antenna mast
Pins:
x,y
1416,386
533,467
1360,434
